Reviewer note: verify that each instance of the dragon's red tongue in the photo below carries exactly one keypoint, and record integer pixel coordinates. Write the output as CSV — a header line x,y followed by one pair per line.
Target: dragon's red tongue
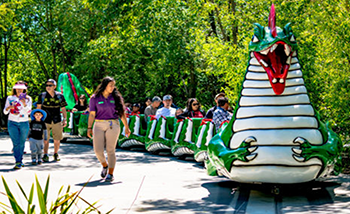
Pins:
x,y
276,68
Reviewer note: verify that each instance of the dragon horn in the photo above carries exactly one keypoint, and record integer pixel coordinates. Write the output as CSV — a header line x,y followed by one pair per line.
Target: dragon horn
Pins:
x,y
272,21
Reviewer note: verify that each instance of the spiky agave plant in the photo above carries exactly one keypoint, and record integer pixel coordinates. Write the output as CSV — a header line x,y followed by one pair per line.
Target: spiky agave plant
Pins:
x,y
62,204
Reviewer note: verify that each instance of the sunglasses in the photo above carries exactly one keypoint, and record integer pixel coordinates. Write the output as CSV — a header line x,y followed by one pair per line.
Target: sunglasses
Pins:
x,y
82,98
195,104
49,85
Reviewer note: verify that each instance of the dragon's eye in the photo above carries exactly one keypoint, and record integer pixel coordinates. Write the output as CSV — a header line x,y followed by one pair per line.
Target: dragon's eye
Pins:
x,y
255,39
292,38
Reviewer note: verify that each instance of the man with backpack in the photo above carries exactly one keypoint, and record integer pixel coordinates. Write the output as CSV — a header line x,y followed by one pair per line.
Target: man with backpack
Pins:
x,y
52,102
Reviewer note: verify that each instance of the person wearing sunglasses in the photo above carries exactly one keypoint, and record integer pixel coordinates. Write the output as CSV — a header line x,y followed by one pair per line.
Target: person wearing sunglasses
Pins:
x,y
193,110
53,102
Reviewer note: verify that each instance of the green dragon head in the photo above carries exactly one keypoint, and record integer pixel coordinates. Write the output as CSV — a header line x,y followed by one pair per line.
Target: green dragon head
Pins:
x,y
273,47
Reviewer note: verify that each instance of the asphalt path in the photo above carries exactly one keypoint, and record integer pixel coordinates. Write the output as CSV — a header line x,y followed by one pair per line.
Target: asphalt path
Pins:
x,y
146,183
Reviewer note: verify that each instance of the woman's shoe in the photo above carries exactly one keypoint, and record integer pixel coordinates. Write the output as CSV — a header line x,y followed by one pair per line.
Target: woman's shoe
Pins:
x,y
104,171
109,177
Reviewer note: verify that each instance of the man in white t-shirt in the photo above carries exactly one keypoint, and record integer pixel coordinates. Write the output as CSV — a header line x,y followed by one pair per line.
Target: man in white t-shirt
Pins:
x,y
167,110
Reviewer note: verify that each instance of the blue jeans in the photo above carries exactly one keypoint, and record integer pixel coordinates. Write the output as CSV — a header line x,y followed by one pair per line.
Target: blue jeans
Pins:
x,y
18,133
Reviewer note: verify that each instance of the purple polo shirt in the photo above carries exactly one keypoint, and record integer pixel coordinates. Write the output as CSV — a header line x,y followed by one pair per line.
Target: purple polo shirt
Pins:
x,y
104,108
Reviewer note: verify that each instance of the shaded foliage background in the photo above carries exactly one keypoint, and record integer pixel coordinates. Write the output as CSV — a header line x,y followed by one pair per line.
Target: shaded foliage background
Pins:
x,y
193,48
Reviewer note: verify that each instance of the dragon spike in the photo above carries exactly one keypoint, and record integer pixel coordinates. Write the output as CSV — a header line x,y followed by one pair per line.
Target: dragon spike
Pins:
x,y
272,21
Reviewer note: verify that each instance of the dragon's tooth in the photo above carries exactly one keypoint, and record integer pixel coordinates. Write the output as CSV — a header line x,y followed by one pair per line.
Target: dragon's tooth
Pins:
x,y
274,80
289,60
286,49
265,52
281,80
264,63
292,38
274,46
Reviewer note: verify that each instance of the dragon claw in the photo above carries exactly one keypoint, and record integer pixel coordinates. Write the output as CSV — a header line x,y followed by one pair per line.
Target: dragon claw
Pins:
x,y
251,157
250,139
298,158
299,140
297,150
252,149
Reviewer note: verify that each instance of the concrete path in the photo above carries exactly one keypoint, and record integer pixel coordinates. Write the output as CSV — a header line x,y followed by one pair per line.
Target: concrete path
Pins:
x,y
146,183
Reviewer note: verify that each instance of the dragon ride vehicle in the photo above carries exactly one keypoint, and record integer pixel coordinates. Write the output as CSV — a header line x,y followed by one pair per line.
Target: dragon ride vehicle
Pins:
x,y
275,136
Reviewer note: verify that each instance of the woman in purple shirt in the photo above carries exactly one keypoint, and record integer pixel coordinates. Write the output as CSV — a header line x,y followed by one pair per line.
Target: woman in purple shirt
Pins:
x,y
106,107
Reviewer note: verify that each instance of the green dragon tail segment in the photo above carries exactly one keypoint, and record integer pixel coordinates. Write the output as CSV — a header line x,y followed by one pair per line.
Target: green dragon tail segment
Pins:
x,y
276,136
71,88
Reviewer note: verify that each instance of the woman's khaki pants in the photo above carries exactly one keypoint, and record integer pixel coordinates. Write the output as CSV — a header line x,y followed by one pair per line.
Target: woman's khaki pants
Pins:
x,y
105,135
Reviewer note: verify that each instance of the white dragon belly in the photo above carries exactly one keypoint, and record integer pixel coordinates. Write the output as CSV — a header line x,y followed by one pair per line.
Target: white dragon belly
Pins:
x,y
274,121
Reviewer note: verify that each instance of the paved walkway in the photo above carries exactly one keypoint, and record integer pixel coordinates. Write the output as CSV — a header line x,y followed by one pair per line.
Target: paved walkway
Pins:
x,y
146,183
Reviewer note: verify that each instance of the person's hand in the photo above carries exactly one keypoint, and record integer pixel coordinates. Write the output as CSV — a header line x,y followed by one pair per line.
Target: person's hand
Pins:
x,y
64,123
23,102
127,131
89,133
10,107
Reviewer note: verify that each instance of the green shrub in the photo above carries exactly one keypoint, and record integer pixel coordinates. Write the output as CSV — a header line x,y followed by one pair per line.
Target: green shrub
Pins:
x,y
62,204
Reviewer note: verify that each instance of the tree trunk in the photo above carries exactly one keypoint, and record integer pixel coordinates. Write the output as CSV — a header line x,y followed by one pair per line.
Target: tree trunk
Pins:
x,y
234,24
5,66
193,81
212,23
53,53
63,51
1,83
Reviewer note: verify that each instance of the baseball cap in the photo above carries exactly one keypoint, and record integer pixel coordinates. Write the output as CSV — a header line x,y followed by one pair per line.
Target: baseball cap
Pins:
x,y
220,94
167,97
156,98
52,81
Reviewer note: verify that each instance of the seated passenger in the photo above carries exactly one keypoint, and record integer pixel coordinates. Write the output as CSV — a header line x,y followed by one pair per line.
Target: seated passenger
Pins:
x,y
81,104
135,109
192,110
144,105
179,111
167,110
211,110
152,109
221,114
128,108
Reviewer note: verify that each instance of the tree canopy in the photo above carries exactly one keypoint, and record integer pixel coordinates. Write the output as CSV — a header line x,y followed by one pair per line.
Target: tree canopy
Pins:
x,y
187,48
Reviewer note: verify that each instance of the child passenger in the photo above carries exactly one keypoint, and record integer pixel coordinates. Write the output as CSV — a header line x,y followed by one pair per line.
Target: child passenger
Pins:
x,y
37,134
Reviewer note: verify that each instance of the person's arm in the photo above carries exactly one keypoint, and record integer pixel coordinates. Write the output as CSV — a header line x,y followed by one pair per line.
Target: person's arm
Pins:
x,y
39,103
183,115
91,119
126,125
8,107
27,105
147,113
64,112
45,134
